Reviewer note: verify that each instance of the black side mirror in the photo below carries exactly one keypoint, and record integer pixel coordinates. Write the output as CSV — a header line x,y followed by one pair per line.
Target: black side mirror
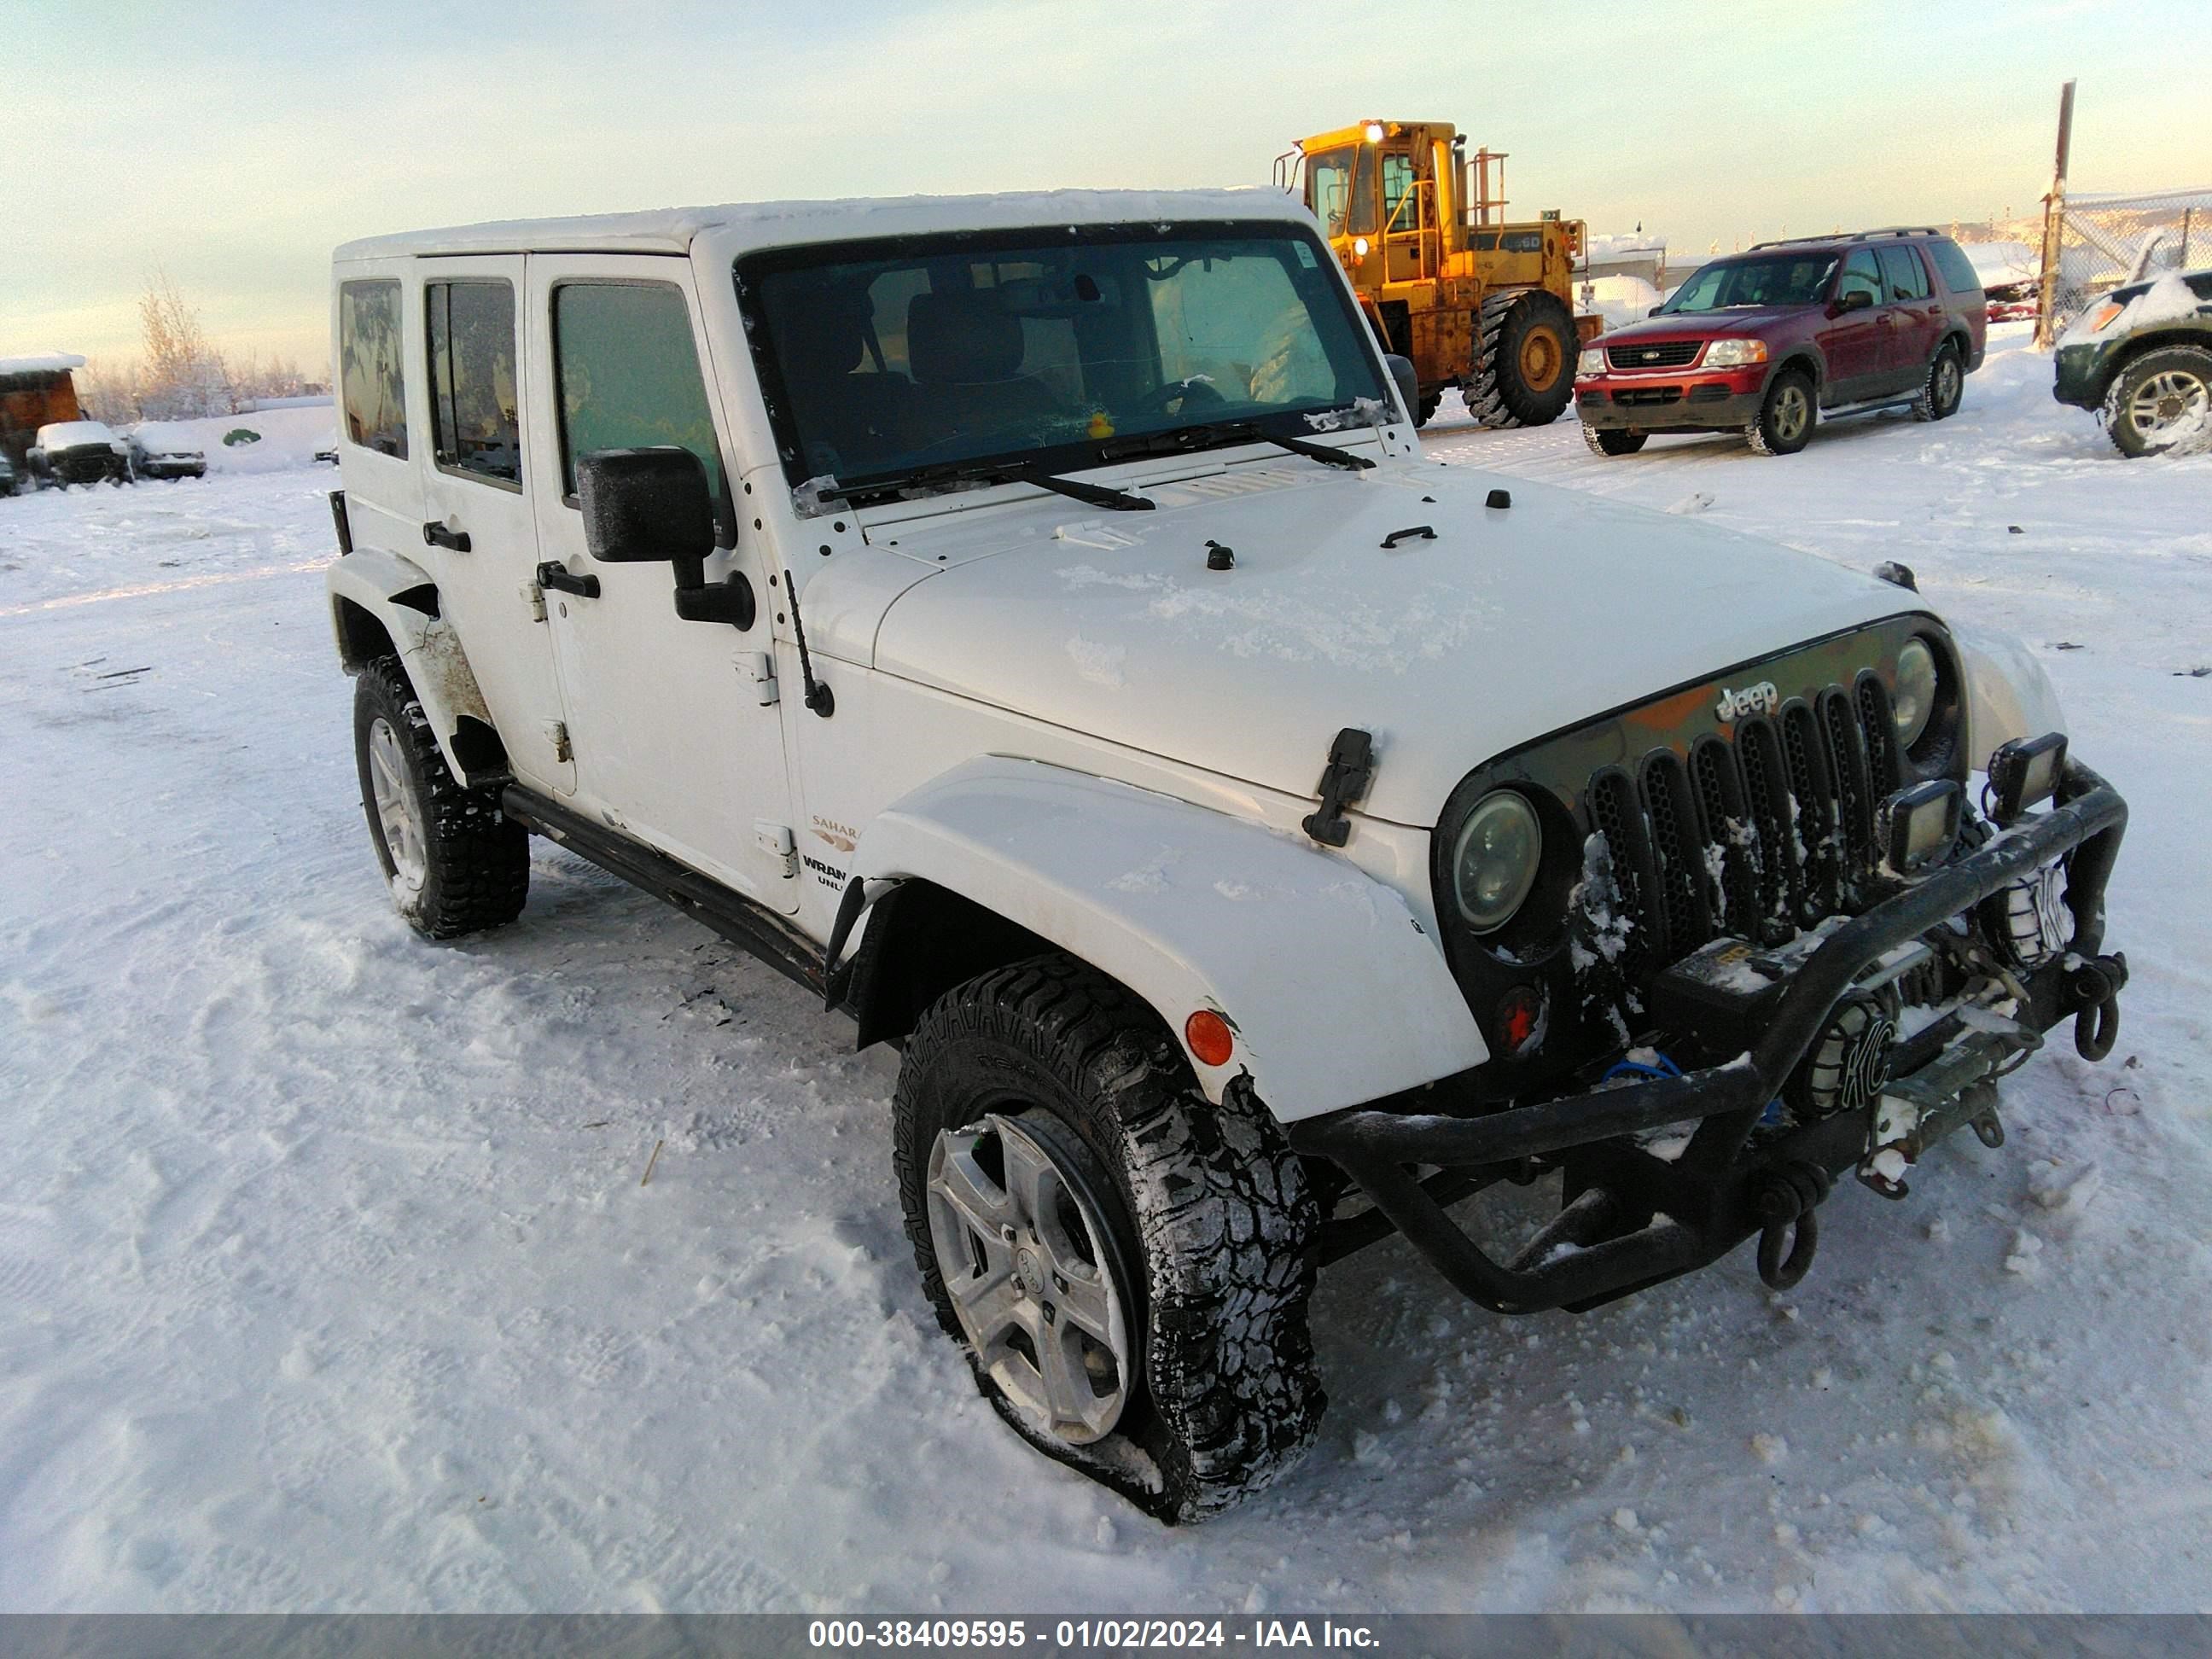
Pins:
x,y
649,506
1858,299
1409,387
1654,311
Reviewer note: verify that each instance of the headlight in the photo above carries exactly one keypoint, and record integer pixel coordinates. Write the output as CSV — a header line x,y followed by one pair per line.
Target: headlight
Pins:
x,y
1592,362
1734,354
1914,699
1494,863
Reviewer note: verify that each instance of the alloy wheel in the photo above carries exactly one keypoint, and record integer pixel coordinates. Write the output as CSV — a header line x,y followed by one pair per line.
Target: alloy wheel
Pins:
x,y
1024,1255
2168,404
398,811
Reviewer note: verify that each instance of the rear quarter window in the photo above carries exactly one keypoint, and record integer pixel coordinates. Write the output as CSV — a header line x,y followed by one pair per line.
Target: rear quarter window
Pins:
x,y
1955,269
372,381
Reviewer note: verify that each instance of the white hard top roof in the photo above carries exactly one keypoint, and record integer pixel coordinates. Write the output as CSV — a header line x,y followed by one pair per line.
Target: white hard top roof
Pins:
x,y
743,226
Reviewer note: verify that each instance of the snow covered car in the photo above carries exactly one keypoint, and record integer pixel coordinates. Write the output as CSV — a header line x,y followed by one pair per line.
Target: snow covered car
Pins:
x,y
1030,623
159,450
2141,358
78,452
7,475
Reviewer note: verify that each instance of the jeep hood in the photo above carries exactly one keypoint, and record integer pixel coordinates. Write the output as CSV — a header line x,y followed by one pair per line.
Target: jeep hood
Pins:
x,y
1510,624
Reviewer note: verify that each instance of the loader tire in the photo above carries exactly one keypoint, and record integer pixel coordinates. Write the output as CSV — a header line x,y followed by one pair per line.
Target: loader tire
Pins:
x,y
1526,370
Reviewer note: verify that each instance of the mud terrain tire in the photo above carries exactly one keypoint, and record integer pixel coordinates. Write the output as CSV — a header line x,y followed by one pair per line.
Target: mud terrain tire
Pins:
x,y
471,868
1207,1207
1525,370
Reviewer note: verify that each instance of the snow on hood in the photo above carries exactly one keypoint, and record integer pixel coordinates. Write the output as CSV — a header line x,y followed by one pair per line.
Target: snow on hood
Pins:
x,y
1510,623
2167,300
73,435
167,438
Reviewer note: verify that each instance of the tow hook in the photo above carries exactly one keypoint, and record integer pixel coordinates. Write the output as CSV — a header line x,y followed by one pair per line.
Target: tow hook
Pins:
x,y
2092,990
1786,1203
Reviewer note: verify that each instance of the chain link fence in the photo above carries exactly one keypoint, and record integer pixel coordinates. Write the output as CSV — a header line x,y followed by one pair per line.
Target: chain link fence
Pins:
x,y
2106,240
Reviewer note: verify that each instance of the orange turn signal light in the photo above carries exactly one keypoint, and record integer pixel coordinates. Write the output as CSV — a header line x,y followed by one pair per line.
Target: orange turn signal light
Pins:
x,y
1209,1037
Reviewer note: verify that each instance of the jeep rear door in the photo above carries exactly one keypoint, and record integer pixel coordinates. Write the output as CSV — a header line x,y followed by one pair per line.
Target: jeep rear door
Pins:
x,y
673,745
478,536
1914,319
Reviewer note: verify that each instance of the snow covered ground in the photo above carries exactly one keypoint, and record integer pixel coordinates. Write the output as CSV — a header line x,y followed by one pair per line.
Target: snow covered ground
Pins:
x,y
326,1279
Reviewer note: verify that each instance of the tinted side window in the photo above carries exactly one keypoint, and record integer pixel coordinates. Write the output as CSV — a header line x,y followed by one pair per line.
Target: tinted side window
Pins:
x,y
474,424
1958,271
1363,192
1861,276
372,387
1908,280
629,374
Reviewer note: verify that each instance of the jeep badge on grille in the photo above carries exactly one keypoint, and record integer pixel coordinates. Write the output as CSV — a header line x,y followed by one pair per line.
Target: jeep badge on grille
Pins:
x,y
1760,699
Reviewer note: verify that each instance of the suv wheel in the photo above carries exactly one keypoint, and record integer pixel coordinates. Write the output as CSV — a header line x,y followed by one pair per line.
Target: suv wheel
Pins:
x,y
1945,384
455,863
1527,370
2161,402
1786,419
1125,1265
1614,440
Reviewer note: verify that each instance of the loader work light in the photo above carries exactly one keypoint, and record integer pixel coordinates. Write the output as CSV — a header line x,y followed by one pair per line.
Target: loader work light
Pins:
x,y
1373,132
2025,772
1918,826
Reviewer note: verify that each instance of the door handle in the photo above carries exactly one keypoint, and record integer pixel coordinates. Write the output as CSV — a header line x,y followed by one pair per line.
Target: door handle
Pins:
x,y
556,577
437,535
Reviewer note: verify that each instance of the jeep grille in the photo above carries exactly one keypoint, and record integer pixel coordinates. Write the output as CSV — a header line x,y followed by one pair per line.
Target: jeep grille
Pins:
x,y
1763,830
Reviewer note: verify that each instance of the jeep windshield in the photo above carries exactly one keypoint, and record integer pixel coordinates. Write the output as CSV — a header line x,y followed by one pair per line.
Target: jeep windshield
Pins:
x,y
1781,279
932,360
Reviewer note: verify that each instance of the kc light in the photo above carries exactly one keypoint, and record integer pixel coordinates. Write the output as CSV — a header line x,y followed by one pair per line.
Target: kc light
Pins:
x,y
1734,354
1918,826
1592,362
1373,130
1494,861
1359,245
2025,772
1914,700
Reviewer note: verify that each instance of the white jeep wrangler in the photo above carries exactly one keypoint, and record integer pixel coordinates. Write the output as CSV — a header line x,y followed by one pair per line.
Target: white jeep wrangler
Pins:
x,y
1028,621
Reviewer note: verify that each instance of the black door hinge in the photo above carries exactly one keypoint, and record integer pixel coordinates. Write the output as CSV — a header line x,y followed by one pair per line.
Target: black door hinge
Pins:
x,y
1343,780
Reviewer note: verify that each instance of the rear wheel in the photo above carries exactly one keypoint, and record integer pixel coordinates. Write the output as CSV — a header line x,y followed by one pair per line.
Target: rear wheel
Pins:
x,y
2161,402
454,862
1787,416
1526,370
1946,383
1427,411
1612,441
1125,1265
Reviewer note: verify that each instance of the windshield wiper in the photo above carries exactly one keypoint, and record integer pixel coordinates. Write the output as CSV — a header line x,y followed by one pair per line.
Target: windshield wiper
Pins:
x,y
994,472
1222,433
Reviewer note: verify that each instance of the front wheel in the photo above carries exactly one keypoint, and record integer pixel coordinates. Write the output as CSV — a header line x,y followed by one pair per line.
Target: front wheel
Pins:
x,y
1125,1265
1786,417
1612,441
454,862
2161,402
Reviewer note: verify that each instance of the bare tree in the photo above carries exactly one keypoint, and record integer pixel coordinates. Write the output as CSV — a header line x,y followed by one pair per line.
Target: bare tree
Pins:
x,y
181,375
108,392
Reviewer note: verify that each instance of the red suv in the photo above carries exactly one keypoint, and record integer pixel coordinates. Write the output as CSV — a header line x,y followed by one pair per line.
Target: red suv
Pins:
x,y
1771,342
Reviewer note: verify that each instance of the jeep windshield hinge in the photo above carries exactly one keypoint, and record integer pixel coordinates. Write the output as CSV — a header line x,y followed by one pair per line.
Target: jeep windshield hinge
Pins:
x,y
1343,780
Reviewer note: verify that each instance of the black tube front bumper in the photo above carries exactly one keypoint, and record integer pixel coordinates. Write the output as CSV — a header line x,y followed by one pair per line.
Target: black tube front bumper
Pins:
x,y
1714,1195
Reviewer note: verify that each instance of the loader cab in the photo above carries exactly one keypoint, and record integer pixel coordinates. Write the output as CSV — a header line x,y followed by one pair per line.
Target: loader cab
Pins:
x,y
1374,188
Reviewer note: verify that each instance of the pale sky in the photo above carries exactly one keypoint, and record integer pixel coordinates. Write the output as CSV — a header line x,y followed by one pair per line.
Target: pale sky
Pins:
x,y
235,144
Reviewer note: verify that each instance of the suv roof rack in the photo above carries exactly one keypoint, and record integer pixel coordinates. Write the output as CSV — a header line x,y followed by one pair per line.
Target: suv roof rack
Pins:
x,y
1855,236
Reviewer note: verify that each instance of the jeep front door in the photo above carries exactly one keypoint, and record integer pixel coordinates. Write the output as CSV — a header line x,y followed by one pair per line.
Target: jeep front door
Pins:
x,y
675,739
1852,339
479,536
